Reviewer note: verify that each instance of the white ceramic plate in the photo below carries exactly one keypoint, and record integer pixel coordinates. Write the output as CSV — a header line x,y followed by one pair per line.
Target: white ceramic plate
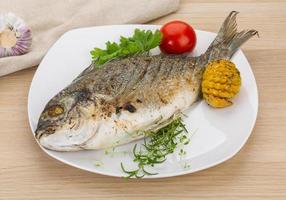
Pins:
x,y
219,133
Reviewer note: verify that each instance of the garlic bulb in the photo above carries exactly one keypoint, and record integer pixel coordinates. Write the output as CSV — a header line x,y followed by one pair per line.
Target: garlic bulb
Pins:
x,y
15,36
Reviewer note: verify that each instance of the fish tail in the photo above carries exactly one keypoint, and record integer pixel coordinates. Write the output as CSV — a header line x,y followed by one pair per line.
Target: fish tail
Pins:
x,y
228,39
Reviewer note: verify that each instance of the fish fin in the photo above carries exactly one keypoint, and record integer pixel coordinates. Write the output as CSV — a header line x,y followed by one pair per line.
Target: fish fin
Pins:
x,y
84,72
228,40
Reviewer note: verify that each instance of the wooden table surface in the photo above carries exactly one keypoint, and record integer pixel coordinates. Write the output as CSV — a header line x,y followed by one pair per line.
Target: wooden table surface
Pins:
x,y
258,171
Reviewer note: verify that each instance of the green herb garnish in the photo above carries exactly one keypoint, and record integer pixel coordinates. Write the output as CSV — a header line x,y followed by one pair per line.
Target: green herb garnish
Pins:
x,y
154,151
98,163
186,165
140,42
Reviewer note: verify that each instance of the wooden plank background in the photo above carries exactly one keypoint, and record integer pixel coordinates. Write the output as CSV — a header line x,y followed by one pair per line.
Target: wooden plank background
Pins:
x,y
258,171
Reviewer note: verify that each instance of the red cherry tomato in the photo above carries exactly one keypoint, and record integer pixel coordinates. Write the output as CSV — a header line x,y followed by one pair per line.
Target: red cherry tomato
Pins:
x,y
178,37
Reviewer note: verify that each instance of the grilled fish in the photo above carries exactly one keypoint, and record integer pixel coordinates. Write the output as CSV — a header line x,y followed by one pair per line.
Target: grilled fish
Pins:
x,y
113,105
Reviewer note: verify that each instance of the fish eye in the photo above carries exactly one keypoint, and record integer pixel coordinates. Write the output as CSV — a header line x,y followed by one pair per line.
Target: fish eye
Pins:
x,y
55,110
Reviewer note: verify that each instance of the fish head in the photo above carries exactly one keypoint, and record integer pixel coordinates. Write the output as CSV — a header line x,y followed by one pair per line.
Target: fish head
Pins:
x,y
66,121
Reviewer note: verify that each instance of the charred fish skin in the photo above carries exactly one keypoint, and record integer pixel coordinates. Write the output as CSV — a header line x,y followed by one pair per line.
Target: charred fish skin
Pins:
x,y
123,106
113,105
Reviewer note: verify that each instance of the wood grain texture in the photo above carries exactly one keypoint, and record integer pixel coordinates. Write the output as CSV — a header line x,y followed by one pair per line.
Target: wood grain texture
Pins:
x,y
258,171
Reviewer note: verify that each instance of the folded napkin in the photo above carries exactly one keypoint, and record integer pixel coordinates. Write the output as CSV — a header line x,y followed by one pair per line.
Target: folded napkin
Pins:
x,y
50,19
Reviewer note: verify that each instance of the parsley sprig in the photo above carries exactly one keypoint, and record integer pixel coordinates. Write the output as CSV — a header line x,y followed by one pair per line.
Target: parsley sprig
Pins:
x,y
141,41
154,151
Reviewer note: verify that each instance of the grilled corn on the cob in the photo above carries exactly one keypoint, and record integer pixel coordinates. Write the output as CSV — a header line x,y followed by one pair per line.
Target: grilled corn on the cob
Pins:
x,y
221,82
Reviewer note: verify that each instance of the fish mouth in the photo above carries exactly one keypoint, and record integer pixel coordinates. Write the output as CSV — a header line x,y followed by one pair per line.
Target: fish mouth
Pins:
x,y
44,128
53,137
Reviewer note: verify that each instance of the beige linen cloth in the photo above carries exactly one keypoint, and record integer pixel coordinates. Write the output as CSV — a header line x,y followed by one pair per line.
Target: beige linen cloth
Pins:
x,y
50,19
